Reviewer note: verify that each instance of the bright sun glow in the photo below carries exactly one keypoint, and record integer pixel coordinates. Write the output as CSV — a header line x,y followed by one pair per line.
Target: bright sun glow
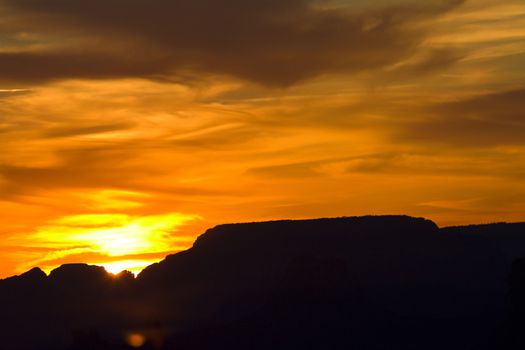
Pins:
x,y
113,236
134,266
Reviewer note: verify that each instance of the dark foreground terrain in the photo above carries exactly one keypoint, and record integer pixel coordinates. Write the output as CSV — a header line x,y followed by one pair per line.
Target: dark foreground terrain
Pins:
x,y
388,282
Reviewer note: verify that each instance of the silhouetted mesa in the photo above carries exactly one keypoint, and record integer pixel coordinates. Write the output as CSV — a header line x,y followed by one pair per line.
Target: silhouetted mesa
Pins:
x,y
348,283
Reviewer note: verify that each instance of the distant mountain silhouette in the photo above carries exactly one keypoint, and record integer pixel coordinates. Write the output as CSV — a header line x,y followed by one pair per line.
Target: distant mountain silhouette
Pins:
x,y
385,282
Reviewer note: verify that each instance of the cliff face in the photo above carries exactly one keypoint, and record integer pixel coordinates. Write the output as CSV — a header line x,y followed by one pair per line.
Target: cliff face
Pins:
x,y
388,277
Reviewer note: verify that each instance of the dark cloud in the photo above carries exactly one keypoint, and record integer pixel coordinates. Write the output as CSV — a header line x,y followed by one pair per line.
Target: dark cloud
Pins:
x,y
272,42
481,121
42,66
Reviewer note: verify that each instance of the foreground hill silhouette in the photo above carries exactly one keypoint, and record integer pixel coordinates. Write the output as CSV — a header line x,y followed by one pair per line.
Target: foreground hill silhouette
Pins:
x,y
391,282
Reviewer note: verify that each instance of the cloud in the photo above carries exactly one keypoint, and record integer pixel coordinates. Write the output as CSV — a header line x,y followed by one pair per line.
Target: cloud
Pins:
x,y
481,121
31,67
79,168
368,163
69,131
426,62
275,43
97,168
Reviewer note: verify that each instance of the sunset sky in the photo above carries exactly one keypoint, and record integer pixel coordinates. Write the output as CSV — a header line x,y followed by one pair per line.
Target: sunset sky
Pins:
x,y
128,127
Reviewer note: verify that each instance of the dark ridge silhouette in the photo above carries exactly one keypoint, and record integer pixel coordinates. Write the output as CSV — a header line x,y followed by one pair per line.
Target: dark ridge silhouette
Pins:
x,y
508,239
509,334
372,282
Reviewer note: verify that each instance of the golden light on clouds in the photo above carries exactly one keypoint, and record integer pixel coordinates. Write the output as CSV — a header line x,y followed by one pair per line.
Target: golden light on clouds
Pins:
x,y
113,234
110,236
113,199
124,137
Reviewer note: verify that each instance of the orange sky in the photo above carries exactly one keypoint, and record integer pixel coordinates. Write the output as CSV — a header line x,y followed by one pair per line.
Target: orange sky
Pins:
x,y
127,130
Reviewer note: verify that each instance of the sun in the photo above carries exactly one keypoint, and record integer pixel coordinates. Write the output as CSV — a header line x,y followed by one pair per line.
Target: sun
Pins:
x,y
133,266
117,242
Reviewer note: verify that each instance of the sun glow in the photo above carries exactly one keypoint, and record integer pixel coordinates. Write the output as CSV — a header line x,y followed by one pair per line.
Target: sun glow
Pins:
x,y
133,266
115,234
115,241
135,340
